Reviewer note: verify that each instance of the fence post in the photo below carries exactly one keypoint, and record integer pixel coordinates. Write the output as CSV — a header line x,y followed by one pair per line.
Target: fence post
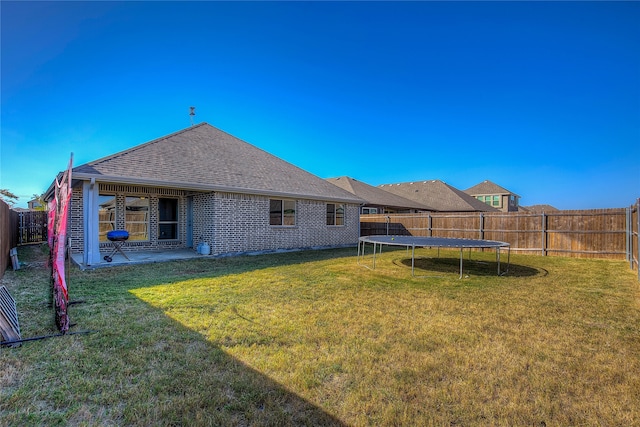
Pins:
x,y
481,226
21,228
629,242
544,234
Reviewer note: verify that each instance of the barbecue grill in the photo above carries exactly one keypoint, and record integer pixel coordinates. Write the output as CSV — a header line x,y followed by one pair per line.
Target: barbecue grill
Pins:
x,y
117,239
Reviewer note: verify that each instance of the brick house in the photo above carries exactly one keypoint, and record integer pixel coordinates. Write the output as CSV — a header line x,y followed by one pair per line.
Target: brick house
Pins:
x,y
202,185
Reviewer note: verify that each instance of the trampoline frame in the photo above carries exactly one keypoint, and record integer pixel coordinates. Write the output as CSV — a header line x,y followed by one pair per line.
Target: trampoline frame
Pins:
x,y
431,242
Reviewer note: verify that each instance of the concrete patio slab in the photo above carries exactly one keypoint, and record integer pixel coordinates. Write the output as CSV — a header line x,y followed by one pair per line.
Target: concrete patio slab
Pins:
x,y
142,257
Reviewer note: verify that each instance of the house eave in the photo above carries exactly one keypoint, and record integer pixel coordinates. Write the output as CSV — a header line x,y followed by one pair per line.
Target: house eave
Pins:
x,y
210,187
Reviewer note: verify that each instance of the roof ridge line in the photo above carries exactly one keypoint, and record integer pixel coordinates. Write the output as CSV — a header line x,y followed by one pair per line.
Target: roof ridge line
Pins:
x,y
144,144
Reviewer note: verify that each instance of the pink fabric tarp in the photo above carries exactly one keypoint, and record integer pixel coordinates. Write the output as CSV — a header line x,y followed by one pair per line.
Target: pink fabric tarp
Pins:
x,y
58,215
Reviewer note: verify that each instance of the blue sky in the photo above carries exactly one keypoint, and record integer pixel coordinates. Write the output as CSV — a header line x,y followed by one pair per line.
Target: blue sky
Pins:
x,y
542,98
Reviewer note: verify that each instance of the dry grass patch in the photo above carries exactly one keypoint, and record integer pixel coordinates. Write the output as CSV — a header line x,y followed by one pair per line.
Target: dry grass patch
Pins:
x,y
312,338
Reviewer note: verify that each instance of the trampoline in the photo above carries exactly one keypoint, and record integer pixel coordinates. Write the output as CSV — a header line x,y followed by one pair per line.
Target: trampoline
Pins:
x,y
432,242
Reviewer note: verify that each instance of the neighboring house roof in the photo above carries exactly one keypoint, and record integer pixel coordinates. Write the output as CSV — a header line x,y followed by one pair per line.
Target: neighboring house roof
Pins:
x,y
374,195
439,195
488,187
538,208
205,158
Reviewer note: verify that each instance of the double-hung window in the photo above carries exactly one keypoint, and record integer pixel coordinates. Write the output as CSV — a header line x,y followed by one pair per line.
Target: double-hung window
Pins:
x,y
282,212
335,214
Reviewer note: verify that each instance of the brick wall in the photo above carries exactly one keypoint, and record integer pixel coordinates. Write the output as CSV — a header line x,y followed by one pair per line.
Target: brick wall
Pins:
x,y
229,223
232,223
75,225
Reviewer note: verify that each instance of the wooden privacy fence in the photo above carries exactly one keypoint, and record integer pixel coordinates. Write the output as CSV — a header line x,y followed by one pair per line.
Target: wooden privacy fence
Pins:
x,y
19,228
597,233
8,234
32,227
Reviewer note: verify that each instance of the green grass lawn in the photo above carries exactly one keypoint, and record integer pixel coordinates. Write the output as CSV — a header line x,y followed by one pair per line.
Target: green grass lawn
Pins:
x,y
313,338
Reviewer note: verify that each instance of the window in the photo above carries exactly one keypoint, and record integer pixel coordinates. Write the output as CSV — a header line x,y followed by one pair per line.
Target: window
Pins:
x,y
106,215
490,200
167,219
136,217
367,211
282,212
335,214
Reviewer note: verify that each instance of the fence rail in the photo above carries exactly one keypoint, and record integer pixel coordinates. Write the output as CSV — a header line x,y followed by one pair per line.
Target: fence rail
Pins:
x,y
597,233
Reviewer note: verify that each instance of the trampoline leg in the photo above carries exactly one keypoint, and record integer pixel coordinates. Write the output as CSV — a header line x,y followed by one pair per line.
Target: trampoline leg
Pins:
x,y
374,256
360,260
508,259
413,258
461,256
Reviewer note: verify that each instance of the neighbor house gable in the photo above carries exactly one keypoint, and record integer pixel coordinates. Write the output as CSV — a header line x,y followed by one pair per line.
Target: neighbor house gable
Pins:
x,y
494,195
439,195
378,198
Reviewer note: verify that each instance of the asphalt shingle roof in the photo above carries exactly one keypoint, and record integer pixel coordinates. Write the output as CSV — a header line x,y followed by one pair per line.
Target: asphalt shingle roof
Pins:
x,y
205,158
487,187
376,196
439,195
538,208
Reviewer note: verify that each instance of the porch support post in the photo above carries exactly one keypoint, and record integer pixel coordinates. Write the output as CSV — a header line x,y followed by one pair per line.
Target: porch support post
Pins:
x,y
90,194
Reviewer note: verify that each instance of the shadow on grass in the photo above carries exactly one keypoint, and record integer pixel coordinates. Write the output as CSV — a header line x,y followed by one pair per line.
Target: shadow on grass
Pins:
x,y
152,368
470,266
204,385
